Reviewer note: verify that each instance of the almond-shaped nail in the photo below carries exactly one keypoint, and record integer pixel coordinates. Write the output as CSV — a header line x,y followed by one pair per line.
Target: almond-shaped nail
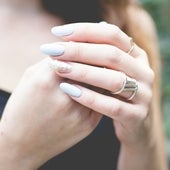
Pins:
x,y
103,22
70,89
62,30
59,66
52,49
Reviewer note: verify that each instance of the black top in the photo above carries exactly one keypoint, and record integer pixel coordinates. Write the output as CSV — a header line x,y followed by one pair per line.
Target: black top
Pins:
x,y
3,99
75,10
98,151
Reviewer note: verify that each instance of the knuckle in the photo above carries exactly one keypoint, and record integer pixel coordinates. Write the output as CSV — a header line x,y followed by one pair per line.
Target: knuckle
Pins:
x,y
78,50
43,83
39,77
115,111
85,29
148,97
137,116
92,120
91,101
115,57
83,75
29,72
116,31
142,113
143,53
151,75
118,83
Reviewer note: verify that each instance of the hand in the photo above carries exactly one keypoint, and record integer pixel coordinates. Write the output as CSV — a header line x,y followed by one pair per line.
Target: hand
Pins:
x,y
104,62
40,121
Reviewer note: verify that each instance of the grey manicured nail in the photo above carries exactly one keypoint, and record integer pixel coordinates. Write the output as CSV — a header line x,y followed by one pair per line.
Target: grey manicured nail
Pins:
x,y
52,49
70,89
103,22
62,30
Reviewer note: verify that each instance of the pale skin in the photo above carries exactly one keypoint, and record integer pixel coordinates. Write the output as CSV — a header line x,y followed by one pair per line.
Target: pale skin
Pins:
x,y
40,134
129,117
14,60
138,147
26,24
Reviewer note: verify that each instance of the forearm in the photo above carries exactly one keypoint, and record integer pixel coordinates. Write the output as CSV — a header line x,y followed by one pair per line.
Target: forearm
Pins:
x,y
149,152
11,158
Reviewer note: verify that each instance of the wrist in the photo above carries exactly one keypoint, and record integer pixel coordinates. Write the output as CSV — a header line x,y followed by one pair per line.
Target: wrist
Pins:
x,y
142,137
144,146
12,158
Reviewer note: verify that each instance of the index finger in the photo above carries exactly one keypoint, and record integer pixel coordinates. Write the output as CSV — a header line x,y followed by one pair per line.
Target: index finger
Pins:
x,y
96,33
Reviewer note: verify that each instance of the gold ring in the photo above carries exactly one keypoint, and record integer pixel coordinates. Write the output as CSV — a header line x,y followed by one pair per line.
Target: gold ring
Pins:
x,y
132,46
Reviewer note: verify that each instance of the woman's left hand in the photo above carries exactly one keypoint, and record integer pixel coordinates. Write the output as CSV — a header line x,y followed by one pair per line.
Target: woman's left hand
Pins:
x,y
102,56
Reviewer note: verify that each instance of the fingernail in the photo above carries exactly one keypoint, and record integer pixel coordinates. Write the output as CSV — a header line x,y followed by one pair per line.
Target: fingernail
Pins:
x,y
52,49
70,89
103,22
60,66
62,30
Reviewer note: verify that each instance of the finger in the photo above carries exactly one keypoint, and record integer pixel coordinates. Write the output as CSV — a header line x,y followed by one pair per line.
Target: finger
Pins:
x,y
110,80
107,105
96,33
97,54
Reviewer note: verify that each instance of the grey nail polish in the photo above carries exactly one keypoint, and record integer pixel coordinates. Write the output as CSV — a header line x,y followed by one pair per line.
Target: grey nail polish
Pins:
x,y
52,49
103,22
62,30
70,89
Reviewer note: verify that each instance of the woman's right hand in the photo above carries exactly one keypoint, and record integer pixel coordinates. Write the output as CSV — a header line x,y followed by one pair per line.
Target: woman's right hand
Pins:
x,y
40,121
